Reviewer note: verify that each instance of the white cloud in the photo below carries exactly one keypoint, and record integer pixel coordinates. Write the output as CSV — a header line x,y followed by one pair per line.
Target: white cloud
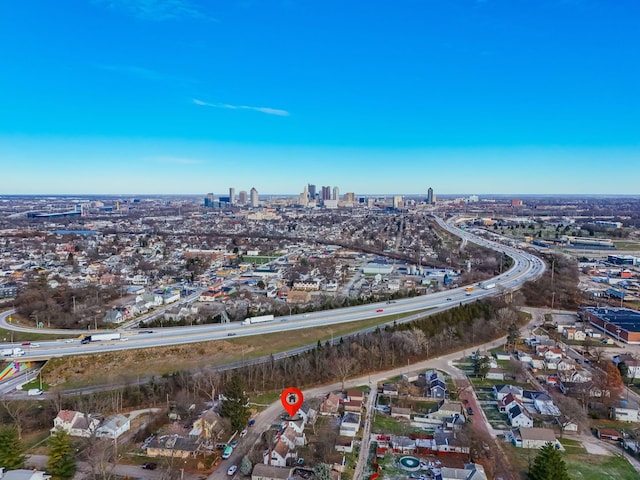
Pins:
x,y
157,9
267,110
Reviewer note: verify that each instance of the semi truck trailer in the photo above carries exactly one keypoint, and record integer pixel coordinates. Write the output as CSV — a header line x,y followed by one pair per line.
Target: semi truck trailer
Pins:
x,y
254,320
100,337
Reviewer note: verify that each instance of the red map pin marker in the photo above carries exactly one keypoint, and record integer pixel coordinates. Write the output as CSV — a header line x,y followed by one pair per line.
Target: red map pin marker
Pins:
x,y
292,399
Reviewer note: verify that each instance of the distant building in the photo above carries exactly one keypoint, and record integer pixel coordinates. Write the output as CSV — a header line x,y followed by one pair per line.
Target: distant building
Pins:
x,y
326,193
397,202
431,197
312,191
254,198
516,202
336,194
232,196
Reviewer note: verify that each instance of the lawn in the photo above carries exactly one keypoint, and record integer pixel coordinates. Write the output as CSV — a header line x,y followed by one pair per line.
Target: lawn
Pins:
x,y
572,446
385,424
598,467
580,466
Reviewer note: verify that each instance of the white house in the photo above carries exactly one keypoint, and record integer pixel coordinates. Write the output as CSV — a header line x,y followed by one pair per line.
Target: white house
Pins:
x,y
518,417
350,424
627,412
533,437
76,424
279,454
113,427
501,391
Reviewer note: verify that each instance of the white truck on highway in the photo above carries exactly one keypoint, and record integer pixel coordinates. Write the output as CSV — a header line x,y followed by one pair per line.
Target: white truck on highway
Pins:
x,y
488,285
101,337
12,352
254,320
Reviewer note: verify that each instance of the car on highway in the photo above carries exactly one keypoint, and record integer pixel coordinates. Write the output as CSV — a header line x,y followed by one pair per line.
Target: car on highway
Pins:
x,y
69,340
448,299
232,470
149,466
379,310
231,334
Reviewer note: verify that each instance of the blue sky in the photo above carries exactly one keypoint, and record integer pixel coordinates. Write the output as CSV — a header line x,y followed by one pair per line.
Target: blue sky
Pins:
x,y
189,96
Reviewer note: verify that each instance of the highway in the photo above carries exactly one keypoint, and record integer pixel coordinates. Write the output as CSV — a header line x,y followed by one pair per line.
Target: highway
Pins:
x,y
525,267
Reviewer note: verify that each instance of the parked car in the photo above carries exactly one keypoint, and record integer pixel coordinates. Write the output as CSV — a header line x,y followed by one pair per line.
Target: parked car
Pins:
x,y
234,444
243,432
469,411
251,423
149,466
232,470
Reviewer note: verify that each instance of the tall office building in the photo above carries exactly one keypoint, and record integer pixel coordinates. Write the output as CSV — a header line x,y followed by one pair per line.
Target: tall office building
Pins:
x,y
336,193
326,193
430,198
242,197
350,197
208,200
312,191
232,196
397,202
254,198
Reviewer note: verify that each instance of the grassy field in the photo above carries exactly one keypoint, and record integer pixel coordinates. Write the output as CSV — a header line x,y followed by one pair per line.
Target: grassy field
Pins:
x,y
117,367
627,245
572,446
597,467
581,466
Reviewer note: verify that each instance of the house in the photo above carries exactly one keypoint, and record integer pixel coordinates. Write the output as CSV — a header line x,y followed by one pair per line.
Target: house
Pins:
x,y
438,389
609,434
209,425
173,446
507,402
76,424
533,437
113,316
471,471
270,472
398,412
518,417
501,391
23,474
353,406
626,412
503,356
350,424
330,404
344,444
279,454
495,374
113,427
567,425
356,395
390,389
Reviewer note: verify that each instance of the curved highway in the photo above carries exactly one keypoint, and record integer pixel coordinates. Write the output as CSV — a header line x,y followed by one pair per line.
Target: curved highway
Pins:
x,y
525,267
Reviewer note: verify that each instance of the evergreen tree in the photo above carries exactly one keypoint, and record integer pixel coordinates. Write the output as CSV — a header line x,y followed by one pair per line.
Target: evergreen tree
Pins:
x,y
234,406
322,471
61,464
548,465
11,449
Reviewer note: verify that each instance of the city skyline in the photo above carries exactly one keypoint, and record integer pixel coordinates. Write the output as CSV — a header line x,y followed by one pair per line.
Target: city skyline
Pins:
x,y
182,97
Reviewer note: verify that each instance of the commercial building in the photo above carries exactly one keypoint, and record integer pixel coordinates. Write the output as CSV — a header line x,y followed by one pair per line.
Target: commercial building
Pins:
x,y
254,198
621,323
